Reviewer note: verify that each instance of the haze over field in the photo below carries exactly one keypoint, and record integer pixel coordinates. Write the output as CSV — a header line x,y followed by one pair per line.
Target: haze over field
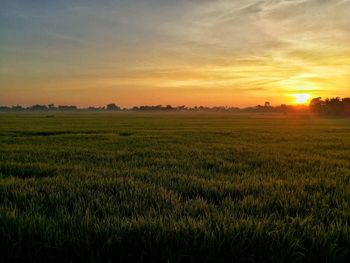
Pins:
x,y
192,52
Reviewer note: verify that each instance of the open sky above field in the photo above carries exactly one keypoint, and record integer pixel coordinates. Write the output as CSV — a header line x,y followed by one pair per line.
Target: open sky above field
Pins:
x,y
194,52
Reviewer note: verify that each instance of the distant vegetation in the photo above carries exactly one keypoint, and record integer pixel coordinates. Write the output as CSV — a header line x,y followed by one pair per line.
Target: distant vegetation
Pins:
x,y
332,107
113,107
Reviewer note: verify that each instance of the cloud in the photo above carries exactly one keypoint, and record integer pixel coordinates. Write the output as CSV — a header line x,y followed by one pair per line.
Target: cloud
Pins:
x,y
246,46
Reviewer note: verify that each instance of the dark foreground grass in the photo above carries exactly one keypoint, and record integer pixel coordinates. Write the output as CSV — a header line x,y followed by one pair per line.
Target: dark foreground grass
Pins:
x,y
174,188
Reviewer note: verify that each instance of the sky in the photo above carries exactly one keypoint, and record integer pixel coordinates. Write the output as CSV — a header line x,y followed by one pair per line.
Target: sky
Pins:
x,y
178,52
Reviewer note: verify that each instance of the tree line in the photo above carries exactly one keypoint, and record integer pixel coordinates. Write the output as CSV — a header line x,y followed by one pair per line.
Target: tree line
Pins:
x,y
331,107
327,107
113,107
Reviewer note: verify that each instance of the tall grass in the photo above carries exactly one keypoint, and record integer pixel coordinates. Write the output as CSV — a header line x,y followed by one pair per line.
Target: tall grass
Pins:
x,y
174,187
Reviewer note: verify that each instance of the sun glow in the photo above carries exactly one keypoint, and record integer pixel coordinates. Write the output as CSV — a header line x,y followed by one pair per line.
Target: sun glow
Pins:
x,y
302,98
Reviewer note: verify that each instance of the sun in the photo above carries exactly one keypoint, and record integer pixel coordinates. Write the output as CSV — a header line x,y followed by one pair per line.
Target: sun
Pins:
x,y
301,98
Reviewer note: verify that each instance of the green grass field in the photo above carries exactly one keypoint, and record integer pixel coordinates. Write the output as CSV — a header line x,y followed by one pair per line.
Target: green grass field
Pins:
x,y
125,187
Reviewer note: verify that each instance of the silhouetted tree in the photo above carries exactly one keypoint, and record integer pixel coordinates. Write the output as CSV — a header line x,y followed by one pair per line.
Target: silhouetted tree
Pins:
x,y
112,107
169,107
17,108
52,107
346,102
5,108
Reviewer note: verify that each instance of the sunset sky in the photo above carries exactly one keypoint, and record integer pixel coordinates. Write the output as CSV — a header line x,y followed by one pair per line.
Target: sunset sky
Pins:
x,y
193,52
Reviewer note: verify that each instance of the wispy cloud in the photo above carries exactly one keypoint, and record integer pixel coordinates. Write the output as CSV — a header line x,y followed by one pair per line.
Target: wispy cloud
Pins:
x,y
254,48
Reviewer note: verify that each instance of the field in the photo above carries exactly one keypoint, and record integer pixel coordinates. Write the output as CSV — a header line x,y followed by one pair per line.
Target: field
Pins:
x,y
174,187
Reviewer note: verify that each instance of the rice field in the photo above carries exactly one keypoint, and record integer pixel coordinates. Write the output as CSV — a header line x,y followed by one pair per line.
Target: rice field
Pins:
x,y
174,187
